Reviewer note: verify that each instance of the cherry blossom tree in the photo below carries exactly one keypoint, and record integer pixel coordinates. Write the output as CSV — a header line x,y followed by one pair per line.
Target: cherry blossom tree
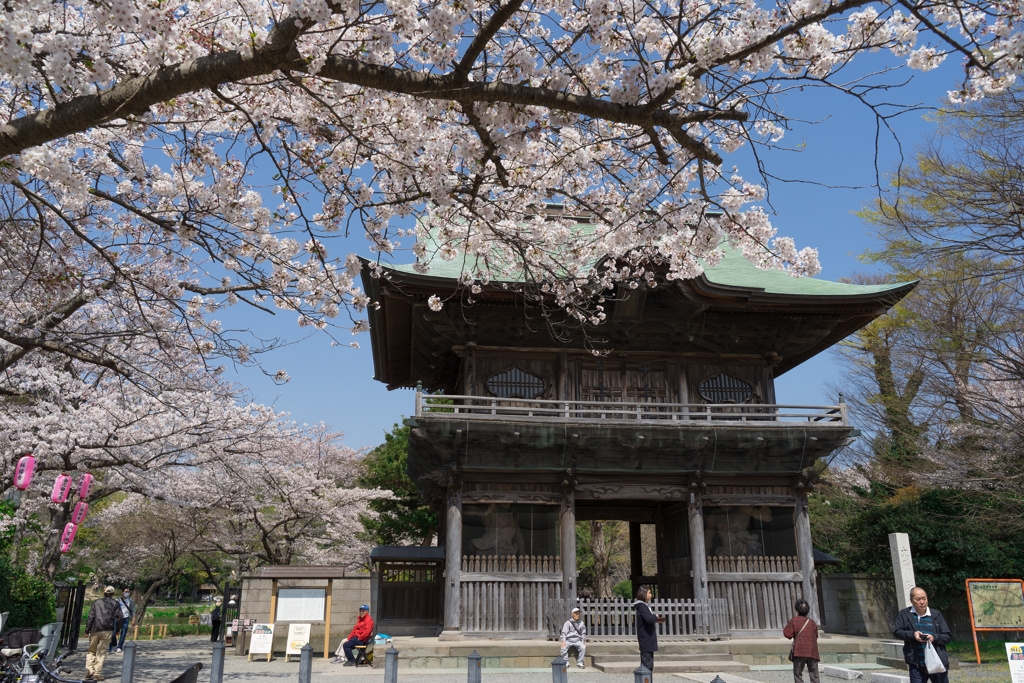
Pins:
x,y
178,157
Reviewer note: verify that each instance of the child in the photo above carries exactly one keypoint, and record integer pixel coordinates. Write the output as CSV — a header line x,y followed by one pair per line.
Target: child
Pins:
x,y
804,633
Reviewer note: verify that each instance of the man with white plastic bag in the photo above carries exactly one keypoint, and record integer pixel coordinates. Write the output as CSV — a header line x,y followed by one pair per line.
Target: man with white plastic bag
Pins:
x,y
924,633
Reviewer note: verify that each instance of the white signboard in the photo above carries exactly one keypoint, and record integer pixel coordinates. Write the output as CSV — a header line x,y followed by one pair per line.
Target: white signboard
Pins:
x,y
262,641
298,635
1015,654
301,604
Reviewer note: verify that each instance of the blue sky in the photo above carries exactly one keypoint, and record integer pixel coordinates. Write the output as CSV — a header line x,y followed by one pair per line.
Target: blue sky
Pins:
x,y
836,147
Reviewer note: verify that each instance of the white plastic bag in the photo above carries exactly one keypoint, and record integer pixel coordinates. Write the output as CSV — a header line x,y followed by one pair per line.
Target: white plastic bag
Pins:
x,y
932,661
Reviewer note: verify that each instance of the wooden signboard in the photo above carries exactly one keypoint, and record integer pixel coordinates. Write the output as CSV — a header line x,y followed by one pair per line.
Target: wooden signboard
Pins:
x,y
262,641
995,605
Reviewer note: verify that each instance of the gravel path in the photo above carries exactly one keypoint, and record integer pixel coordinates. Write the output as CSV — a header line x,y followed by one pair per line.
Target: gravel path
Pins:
x,y
160,661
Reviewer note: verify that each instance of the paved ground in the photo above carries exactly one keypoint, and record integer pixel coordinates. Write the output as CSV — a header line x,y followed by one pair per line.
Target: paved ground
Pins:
x,y
160,661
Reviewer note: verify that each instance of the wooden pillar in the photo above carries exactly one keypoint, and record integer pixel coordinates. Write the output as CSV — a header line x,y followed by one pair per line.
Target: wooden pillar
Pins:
x,y
636,555
805,553
698,553
567,533
452,564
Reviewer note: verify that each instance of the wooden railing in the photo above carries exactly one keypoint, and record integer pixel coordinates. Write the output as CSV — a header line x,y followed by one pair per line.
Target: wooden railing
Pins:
x,y
508,596
615,618
518,564
487,408
759,591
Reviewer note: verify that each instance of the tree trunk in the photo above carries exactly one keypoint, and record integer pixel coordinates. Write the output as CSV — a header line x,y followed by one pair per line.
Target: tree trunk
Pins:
x,y
49,562
140,606
602,585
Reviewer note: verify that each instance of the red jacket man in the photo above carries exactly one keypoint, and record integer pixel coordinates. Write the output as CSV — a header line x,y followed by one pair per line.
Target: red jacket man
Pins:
x,y
360,635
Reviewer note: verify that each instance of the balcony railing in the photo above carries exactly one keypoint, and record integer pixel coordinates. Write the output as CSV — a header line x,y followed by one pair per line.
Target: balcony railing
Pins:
x,y
514,409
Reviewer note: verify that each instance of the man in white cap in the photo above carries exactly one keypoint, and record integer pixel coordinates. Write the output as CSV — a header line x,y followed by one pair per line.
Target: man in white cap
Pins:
x,y
574,636
104,618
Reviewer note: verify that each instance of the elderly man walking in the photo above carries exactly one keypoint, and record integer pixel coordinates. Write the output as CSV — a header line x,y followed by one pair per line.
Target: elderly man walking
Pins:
x,y
917,626
104,618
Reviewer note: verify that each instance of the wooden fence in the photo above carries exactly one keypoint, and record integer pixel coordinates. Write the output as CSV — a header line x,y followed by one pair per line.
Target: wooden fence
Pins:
x,y
509,596
615,618
759,591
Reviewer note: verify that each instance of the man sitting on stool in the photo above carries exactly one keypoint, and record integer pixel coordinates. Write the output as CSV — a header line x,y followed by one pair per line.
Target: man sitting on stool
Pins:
x,y
360,635
574,635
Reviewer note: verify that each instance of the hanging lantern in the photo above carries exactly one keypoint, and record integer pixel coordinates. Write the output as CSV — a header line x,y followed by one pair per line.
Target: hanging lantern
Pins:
x,y
83,491
61,488
68,537
79,513
23,472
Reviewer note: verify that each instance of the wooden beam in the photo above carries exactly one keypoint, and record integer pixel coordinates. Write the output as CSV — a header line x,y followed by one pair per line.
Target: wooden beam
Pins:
x,y
805,551
733,499
698,553
452,561
747,577
534,577
631,492
541,497
567,532
636,554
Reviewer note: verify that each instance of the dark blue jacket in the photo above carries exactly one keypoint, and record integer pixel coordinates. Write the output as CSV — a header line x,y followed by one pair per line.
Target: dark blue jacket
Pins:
x,y
904,630
646,627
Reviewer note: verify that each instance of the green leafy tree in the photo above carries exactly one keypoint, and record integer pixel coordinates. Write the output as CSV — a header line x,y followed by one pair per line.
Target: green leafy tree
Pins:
x,y
406,517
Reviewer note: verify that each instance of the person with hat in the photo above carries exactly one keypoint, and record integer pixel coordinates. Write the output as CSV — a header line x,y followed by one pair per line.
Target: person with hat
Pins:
x,y
360,635
104,618
574,637
215,618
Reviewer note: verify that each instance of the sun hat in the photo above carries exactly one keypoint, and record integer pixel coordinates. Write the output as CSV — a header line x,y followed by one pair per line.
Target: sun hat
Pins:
x,y
109,589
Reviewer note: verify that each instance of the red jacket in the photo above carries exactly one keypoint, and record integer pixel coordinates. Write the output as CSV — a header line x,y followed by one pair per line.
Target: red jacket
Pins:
x,y
806,644
363,628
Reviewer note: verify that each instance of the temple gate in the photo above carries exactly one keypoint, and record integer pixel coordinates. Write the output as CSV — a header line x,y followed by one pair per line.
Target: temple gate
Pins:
x,y
515,437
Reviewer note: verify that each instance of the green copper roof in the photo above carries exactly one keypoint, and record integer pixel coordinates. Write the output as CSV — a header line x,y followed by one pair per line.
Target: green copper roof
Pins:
x,y
732,271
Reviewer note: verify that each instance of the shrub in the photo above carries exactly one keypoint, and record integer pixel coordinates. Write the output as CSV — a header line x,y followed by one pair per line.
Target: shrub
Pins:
x,y
623,589
185,630
29,599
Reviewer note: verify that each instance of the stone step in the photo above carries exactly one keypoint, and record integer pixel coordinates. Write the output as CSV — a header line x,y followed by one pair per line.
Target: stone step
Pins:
x,y
611,659
667,667
666,648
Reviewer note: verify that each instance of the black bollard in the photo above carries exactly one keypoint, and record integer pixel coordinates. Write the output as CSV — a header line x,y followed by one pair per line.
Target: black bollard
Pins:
x,y
473,663
641,674
718,679
128,663
391,665
305,663
558,665
217,670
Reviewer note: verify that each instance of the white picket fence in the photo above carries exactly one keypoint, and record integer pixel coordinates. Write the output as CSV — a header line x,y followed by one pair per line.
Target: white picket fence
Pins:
x,y
615,618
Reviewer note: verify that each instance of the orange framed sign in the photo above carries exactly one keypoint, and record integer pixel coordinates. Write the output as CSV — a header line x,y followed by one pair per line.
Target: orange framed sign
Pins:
x,y
995,605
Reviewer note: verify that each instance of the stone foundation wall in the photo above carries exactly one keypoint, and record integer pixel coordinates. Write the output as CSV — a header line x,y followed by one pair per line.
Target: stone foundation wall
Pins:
x,y
858,604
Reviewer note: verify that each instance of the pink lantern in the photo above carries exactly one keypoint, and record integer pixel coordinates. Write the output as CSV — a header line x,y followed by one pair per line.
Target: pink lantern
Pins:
x,y
81,510
23,472
69,537
61,488
83,491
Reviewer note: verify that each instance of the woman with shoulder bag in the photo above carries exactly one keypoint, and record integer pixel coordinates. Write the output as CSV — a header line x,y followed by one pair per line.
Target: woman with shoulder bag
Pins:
x,y
802,630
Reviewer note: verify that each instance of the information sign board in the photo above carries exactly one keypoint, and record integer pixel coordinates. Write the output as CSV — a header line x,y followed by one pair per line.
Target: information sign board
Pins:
x,y
995,605
298,635
262,640
1015,655
301,604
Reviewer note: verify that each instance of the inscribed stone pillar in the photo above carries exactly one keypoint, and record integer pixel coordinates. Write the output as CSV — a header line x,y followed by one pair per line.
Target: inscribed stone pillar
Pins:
x,y
805,554
902,567
698,553
567,533
452,564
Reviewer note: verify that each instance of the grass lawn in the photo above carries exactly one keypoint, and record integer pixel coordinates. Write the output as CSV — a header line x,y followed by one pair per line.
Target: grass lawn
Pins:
x,y
992,651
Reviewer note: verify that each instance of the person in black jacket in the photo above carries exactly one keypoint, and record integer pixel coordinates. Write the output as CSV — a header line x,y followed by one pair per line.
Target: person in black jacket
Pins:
x,y
646,628
215,617
104,618
918,625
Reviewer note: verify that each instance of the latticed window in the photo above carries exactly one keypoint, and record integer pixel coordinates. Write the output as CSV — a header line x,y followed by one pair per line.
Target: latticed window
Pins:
x,y
725,389
515,383
637,384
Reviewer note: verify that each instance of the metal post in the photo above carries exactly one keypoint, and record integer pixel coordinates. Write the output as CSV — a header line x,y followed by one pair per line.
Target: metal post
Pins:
x,y
128,663
474,668
217,670
391,665
305,663
641,674
558,666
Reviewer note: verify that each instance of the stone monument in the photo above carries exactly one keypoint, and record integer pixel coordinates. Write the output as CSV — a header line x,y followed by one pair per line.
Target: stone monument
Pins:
x,y
902,567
